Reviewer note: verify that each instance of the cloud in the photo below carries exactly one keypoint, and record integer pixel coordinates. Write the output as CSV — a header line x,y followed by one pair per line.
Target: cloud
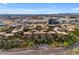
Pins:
x,y
75,10
52,9
5,3
46,10
30,11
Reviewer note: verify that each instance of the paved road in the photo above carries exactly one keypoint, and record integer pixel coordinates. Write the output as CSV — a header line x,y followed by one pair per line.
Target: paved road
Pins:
x,y
56,51
35,52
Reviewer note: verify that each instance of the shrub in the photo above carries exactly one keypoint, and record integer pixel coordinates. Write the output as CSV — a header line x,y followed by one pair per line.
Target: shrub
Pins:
x,y
66,44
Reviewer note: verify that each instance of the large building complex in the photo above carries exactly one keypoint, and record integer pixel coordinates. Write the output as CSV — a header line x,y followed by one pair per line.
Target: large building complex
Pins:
x,y
38,26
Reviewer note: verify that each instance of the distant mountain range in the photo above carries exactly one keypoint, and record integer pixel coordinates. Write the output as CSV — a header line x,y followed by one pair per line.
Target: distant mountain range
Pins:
x,y
77,14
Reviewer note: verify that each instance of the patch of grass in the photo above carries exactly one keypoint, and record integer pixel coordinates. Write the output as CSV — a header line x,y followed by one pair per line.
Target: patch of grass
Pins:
x,y
74,51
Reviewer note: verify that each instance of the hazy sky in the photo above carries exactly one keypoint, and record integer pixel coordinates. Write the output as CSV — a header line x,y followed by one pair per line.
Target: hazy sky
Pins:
x,y
38,8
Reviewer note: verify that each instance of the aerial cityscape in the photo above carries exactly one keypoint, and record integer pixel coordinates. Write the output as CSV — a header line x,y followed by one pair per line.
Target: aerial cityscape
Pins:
x,y
39,28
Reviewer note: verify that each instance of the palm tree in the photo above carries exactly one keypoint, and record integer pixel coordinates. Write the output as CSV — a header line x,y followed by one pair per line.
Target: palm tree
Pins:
x,y
25,29
38,27
32,31
46,33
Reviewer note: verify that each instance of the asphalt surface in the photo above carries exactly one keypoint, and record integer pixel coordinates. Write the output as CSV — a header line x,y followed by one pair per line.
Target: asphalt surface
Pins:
x,y
35,52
